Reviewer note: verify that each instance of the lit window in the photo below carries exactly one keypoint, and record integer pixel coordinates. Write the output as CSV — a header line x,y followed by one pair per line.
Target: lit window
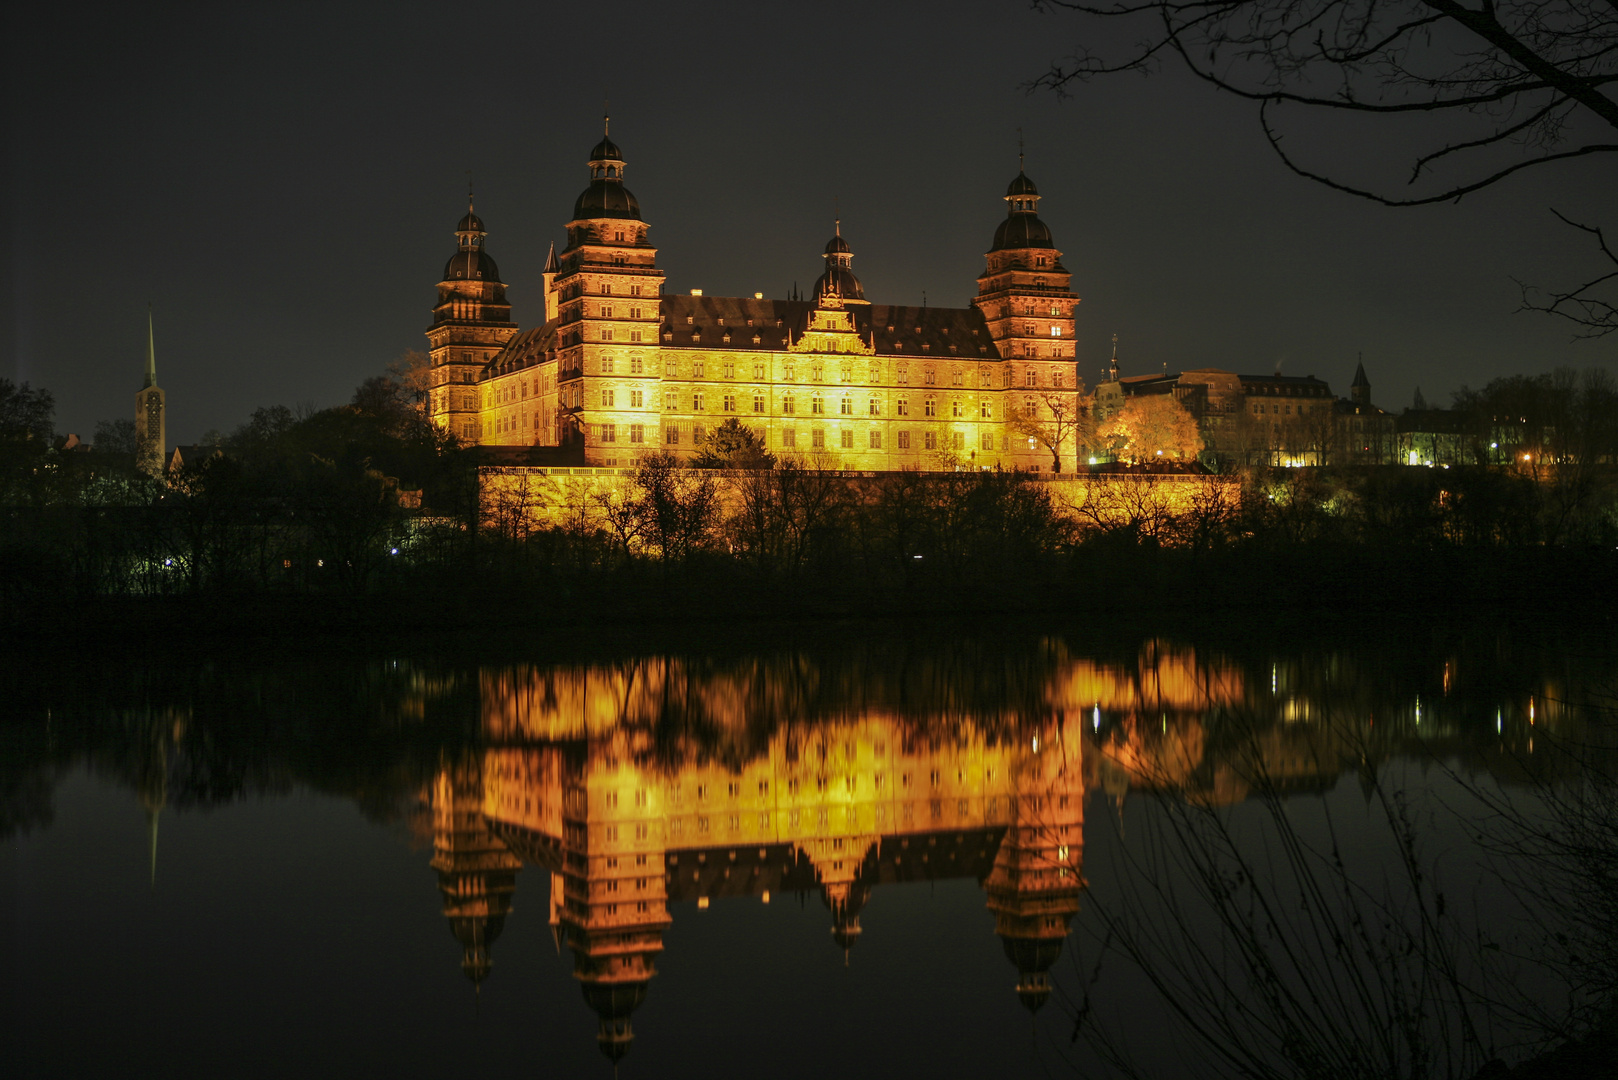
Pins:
x,y
845,406
955,408
876,407
817,405
986,410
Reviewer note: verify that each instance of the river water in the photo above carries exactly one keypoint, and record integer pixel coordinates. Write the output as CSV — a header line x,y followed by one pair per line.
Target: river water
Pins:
x,y
889,851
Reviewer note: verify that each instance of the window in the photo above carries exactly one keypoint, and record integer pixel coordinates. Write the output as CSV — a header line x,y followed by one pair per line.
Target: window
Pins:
x,y
930,441
845,406
960,440
730,402
988,442
1006,377
956,408
816,373
930,377
609,433
697,368
671,435
606,365
758,403
1056,379
637,433
876,406
1030,377
758,369
730,369
637,399
902,407
817,439
608,399
876,440
902,374
986,410
789,437
606,309
696,402
817,405
848,439
670,400
956,377
1028,407
698,433
606,333
634,313
929,407
1056,331
904,440
634,290
788,405
670,369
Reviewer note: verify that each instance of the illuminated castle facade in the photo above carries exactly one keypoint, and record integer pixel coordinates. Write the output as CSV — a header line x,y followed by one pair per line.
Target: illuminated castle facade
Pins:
x,y
619,369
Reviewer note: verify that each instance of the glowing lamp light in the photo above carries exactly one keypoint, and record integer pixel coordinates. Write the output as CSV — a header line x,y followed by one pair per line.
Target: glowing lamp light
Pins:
x,y
1096,718
702,903
1036,742
766,896
759,296
1092,461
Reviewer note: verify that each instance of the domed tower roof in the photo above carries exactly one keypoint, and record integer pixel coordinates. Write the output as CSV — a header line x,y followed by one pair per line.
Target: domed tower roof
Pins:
x,y
1022,227
839,279
471,261
613,1003
606,197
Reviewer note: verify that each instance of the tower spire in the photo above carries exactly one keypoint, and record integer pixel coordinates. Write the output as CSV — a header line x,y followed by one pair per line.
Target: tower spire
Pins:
x,y
1019,150
151,351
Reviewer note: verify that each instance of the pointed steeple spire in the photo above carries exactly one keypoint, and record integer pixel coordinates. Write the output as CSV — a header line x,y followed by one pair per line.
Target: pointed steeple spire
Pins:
x,y
151,352
551,265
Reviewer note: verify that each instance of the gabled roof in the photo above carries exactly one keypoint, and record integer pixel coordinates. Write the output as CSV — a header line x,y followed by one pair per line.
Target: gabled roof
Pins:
x,y
894,330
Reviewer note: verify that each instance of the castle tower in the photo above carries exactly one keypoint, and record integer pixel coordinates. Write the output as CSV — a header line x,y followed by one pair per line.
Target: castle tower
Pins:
x,y
471,321
839,281
1359,392
607,287
477,873
1023,291
151,421
1033,889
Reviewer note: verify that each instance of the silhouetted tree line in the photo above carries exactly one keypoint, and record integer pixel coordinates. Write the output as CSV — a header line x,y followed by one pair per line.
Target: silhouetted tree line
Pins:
x,y
370,498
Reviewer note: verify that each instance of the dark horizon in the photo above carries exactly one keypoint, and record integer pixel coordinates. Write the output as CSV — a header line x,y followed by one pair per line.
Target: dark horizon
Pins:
x,y
284,195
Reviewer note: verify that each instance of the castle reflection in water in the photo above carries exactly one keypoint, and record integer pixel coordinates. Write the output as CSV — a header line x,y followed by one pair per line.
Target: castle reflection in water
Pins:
x,y
640,785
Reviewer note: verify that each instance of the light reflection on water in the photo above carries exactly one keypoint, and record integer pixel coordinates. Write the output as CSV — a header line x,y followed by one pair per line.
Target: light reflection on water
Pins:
x,y
877,854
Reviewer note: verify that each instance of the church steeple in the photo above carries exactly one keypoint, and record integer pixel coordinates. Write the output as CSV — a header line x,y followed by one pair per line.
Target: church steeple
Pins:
x,y
151,420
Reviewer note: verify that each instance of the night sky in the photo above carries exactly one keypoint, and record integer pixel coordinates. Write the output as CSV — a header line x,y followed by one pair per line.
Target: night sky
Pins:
x,y
282,182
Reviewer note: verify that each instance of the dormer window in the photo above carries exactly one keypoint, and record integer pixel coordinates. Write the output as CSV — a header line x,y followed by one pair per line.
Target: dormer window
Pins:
x,y
688,320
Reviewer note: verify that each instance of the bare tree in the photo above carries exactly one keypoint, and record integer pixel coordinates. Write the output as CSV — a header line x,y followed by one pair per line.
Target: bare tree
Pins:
x,y
1487,90
1058,418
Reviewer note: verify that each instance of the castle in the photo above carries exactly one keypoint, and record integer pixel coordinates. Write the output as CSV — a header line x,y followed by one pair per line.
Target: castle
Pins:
x,y
620,369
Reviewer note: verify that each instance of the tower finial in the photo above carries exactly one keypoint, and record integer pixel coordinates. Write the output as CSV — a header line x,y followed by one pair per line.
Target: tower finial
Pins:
x,y
606,118
1115,348
1019,150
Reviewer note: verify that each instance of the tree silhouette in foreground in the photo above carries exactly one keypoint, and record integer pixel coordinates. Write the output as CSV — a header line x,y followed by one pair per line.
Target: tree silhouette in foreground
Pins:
x,y
1481,93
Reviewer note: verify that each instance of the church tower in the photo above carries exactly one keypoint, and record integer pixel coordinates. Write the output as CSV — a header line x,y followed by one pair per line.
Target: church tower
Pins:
x,y
1360,391
1023,291
471,321
151,423
607,287
477,873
